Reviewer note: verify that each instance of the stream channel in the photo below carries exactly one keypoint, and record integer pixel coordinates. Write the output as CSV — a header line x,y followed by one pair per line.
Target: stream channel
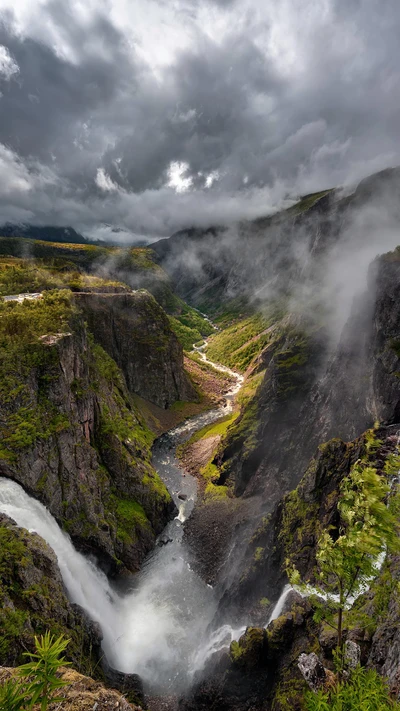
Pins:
x,y
160,627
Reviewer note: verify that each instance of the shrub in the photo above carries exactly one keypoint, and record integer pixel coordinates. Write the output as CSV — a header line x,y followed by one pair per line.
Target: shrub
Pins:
x,y
36,681
364,691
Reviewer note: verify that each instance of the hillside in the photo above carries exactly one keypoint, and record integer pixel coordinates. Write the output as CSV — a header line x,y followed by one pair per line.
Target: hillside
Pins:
x,y
193,481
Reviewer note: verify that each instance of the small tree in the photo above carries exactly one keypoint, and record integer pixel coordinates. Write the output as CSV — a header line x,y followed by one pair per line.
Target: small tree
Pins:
x,y
349,556
37,681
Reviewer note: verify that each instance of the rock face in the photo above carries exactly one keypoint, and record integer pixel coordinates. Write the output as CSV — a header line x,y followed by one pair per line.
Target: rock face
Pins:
x,y
302,403
33,600
305,399
312,670
260,672
73,439
134,330
292,529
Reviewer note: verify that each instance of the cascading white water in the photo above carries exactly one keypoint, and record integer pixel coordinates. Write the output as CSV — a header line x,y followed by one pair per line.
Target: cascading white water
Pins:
x,y
219,640
160,629
154,629
85,583
277,610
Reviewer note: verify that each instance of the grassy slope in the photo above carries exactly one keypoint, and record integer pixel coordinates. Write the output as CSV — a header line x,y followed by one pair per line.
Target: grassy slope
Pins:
x,y
237,345
84,267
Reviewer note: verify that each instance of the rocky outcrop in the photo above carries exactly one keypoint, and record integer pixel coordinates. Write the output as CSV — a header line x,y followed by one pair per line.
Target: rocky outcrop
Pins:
x,y
264,447
72,438
260,671
82,693
291,530
134,330
33,599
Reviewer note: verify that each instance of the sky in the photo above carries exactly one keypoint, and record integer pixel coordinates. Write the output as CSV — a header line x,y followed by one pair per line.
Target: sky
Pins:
x,y
131,119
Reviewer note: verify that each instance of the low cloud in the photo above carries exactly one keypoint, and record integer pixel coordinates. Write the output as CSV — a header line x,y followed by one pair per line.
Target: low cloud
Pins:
x,y
192,113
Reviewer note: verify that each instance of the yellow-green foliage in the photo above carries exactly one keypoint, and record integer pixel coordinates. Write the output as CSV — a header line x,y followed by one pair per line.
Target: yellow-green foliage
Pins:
x,y
307,201
21,351
187,336
124,420
214,492
210,471
37,682
130,515
350,557
237,345
289,364
21,275
299,524
215,429
24,596
365,690
189,325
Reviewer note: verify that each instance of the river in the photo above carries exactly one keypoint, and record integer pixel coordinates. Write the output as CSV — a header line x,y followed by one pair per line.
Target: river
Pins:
x,y
160,627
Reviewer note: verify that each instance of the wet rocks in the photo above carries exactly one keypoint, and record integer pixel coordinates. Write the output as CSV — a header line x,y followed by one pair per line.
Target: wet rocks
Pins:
x,y
312,670
92,466
33,598
130,685
352,654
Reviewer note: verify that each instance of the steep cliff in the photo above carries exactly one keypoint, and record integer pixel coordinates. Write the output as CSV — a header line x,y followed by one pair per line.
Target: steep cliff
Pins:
x,y
309,394
260,671
71,436
33,600
134,330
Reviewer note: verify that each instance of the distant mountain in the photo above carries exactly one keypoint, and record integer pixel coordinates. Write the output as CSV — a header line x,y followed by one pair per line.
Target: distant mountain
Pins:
x,y
48,233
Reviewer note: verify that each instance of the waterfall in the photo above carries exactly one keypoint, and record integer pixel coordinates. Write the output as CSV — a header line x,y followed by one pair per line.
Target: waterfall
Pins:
x,y
277,610
153,630
161,628
84,582
219,640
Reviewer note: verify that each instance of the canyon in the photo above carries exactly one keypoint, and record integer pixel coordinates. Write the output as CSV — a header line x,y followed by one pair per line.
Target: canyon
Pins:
x,y
176,423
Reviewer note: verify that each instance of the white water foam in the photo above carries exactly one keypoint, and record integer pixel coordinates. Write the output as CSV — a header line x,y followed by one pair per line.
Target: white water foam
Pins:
x,y
155,629
219,640
85,583
277,610
160,628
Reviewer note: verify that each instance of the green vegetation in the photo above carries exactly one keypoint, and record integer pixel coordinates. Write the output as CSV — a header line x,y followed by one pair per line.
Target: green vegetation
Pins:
x,y
191,318
185,335
130,516
210,471
19,276
74,266
289,363
249,646
122,428
189,325
349,557
23,349
238,344
31,601
37,681
307,201
215,429
364,691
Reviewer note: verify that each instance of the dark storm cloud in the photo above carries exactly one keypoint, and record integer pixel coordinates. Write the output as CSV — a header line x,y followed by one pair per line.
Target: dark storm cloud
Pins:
x,y
89,128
